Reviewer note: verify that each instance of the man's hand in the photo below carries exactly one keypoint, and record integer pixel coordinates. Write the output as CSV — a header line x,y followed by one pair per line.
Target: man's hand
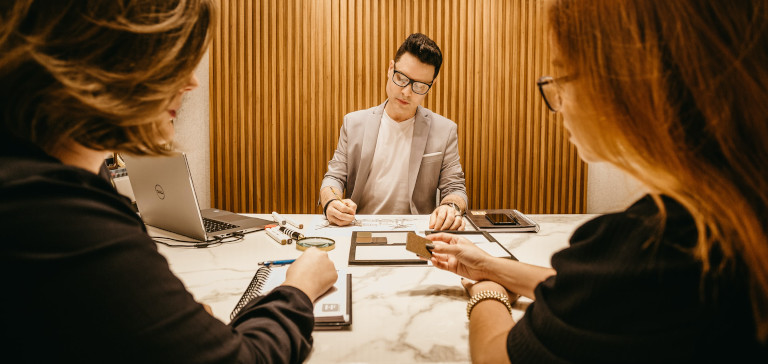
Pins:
x,y
341,212
446,218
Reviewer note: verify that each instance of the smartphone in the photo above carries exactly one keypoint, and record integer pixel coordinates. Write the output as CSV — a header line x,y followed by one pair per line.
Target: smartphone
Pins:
x,y
501,219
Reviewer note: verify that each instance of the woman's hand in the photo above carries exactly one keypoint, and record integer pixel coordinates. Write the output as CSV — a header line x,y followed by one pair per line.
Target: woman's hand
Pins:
x,y
313,273
207,309
459,255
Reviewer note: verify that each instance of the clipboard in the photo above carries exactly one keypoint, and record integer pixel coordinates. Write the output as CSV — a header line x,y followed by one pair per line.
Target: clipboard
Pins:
x,y
381,248
522,223
388,247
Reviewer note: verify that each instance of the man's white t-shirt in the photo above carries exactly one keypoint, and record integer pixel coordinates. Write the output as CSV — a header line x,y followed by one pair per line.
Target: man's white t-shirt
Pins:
x,y
386,191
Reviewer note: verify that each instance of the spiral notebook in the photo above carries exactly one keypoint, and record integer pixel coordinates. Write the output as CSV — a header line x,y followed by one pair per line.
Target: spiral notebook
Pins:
x,y
333,310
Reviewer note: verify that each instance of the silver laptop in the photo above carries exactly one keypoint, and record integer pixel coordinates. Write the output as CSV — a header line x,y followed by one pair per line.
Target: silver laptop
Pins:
x,y
166,199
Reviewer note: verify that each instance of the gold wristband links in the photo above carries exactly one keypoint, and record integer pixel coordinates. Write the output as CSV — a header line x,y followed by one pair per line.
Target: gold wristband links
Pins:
x,y
488,295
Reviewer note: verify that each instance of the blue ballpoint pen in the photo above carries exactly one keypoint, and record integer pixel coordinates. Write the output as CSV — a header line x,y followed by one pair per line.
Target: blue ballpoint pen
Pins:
x,y
277,262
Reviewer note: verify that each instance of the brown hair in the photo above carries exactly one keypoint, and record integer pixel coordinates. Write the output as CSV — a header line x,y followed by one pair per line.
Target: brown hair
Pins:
x,y
680,88
97,72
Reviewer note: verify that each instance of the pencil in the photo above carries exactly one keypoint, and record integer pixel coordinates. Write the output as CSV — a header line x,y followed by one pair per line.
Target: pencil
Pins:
x,y
354,222
337,196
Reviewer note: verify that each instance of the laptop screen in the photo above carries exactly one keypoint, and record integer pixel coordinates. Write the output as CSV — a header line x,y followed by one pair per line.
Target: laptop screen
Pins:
x,y
165,194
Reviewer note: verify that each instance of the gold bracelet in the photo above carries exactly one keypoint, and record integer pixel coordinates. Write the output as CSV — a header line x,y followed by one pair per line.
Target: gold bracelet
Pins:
x,y
488,295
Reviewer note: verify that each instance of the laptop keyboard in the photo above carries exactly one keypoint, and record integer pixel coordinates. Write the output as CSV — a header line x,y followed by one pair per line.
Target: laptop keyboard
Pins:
x,y
212,226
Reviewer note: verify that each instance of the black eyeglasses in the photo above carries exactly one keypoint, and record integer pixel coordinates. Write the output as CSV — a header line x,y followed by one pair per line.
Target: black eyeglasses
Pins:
x,y
550,91
402,80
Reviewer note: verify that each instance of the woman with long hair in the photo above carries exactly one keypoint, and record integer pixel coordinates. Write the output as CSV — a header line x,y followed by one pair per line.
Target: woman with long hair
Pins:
x,y
674,93
82,79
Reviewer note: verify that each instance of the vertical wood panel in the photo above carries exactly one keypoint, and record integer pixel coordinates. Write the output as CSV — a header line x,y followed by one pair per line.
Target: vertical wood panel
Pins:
x,y
284,73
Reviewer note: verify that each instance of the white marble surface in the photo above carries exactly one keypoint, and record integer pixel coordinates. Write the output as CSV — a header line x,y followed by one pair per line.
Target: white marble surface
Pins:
x,y
400,314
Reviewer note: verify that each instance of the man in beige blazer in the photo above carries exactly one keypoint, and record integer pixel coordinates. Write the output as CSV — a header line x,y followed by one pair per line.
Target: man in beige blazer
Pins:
x,y
395,157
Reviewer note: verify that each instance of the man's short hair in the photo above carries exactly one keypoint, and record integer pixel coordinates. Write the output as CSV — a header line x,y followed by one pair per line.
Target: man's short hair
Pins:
x,y
425,49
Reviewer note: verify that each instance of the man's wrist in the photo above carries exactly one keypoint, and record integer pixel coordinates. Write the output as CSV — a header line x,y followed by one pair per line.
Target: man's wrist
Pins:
x,y
325,207
454,206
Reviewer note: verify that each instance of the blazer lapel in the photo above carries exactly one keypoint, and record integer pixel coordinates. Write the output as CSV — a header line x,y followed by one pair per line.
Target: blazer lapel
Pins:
x,y
369,147
418,145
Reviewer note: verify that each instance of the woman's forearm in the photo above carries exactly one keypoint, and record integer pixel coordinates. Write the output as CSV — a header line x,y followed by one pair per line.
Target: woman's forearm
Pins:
x,y
488,329
516,276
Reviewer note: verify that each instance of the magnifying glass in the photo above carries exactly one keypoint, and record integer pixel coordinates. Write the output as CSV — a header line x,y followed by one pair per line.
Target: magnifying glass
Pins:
x,y
315,242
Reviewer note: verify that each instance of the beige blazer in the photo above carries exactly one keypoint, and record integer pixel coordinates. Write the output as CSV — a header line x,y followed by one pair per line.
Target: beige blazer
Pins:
x,y
434,163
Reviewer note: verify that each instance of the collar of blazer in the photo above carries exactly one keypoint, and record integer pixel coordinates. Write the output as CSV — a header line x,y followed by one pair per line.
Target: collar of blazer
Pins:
x,y
418,144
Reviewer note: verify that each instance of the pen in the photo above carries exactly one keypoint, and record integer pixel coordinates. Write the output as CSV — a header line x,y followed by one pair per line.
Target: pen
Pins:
x,y
337,195
275,237
280,220
277,262
292,233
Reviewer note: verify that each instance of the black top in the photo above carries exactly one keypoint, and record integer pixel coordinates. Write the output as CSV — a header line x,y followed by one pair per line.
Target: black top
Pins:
x,y
628,292
83,282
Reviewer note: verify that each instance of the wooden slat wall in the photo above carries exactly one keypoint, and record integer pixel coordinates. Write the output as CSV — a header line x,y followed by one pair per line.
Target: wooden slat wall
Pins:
x,y
284,73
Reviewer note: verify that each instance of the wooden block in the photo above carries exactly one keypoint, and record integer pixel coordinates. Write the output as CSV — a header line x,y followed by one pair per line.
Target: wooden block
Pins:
x,y
364,237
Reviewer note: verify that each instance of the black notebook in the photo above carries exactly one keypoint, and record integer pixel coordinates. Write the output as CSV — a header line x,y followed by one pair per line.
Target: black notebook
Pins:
x,y
333,310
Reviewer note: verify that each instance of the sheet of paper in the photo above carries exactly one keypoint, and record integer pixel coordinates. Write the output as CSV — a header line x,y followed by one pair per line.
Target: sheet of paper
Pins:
x,y
320,226
383,252
333,303
475,238
329,305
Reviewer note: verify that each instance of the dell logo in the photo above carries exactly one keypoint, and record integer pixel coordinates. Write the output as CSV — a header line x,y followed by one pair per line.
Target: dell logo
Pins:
x,y
159,191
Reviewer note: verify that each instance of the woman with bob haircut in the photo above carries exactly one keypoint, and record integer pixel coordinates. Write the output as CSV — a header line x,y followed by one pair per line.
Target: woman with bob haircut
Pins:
x,y
82,79
675,93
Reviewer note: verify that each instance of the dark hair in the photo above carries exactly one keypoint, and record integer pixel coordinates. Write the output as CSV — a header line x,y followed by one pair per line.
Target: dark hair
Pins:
x,y
97,72
425,49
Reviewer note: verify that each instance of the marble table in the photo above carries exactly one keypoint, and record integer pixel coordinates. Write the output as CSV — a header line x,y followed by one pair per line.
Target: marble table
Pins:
x,y
400,314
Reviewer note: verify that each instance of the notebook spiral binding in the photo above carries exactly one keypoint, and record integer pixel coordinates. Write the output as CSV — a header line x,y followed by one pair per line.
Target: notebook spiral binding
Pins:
x,y
253,290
